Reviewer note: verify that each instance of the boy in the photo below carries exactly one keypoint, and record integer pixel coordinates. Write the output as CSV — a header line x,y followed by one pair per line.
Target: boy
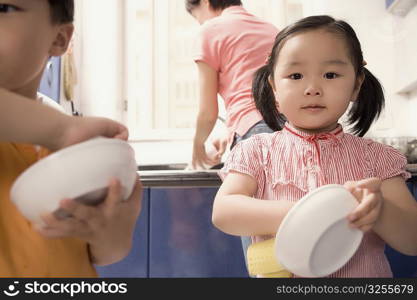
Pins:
x,y
31,32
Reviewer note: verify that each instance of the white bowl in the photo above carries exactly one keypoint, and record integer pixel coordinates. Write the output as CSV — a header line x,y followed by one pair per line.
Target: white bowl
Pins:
x,y
81,171
314,239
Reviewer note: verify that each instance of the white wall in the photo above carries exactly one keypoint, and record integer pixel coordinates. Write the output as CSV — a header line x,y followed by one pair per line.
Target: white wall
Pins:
x,y
405,56
99,59
382,35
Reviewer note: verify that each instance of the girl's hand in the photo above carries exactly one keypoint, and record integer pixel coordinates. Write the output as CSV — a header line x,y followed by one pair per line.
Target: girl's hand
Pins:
x,y
368,193
107,227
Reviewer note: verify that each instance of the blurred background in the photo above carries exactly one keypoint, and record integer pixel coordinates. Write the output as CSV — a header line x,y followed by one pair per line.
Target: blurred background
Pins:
x,y
132,61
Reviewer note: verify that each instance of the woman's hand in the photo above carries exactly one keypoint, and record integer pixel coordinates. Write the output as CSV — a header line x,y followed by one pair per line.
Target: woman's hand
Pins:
x,y
368,193
107,227
220,145
201,160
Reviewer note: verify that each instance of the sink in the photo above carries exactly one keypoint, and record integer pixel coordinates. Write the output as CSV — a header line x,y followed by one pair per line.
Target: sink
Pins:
x,y
161,167
175,175
170,167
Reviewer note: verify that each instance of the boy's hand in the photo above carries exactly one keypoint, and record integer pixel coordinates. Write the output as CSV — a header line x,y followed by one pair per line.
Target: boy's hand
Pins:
x,y
79,129
107,227
369,196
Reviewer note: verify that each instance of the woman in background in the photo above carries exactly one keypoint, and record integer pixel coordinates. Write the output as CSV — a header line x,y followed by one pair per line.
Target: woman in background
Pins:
x,y
232,45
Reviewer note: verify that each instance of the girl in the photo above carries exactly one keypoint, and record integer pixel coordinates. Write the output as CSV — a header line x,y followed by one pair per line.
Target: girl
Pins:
x,y
314,72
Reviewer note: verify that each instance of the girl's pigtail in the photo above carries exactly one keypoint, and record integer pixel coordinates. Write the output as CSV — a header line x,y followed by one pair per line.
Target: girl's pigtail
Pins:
x,y
265,99
368,106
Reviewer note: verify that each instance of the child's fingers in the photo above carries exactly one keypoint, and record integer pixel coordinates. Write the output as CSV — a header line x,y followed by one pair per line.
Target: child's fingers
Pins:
x,y
350,185
77,210
136,197
366,228
372,184
123,134
54,228
367,220
364,207
114,196
356,192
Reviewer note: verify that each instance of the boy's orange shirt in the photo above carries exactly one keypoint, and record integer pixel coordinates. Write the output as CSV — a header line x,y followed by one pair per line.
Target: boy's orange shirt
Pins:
x,y
23,251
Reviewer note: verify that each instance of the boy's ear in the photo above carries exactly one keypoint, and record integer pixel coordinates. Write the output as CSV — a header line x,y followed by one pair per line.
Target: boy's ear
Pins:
x,y
62,40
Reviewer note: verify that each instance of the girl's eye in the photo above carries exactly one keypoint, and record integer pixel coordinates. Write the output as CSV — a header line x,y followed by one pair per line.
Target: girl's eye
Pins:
x,y
7,8
330,75
296,76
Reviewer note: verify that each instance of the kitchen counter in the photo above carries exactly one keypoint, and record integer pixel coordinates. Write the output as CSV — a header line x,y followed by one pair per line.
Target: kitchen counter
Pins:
x,y
412,168
174,175
181,178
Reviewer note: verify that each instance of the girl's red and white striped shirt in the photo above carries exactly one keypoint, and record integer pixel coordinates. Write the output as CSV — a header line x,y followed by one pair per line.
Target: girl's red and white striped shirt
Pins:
x,y
290,163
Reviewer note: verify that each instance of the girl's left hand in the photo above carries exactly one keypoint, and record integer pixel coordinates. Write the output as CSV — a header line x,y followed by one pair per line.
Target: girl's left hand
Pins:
x,y
369,195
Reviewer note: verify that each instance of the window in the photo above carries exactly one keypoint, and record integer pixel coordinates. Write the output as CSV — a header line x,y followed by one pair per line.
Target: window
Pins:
x,y
162,79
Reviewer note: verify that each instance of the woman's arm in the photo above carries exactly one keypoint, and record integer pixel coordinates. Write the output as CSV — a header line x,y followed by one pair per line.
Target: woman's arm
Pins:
x,y
397,223
207,114
236,212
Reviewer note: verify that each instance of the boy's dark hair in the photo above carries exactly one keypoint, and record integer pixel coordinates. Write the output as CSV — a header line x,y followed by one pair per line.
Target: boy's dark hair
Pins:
x,y
62,11
364,110
215,4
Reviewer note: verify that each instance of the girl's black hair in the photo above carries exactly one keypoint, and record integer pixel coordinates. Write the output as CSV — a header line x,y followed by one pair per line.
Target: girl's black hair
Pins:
x,y
215,4
62,11
364,111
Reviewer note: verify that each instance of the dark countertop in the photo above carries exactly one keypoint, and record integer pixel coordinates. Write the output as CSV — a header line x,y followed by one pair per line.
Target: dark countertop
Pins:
x,y
174,175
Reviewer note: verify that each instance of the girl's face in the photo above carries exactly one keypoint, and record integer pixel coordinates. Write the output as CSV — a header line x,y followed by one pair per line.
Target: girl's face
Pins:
x,y
314,80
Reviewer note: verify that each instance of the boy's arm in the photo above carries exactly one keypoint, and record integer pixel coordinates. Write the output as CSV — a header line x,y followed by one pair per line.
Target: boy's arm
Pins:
x,y
26,121
397,224
236,212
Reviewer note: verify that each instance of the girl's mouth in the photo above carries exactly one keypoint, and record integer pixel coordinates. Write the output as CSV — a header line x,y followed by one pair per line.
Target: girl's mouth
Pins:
x,y
313,107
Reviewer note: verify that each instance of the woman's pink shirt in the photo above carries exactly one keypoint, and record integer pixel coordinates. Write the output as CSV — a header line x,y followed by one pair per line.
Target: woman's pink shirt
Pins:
x,y
236,44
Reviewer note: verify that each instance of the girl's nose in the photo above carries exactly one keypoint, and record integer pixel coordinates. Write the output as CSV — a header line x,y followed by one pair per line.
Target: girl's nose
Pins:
x,y
313,90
